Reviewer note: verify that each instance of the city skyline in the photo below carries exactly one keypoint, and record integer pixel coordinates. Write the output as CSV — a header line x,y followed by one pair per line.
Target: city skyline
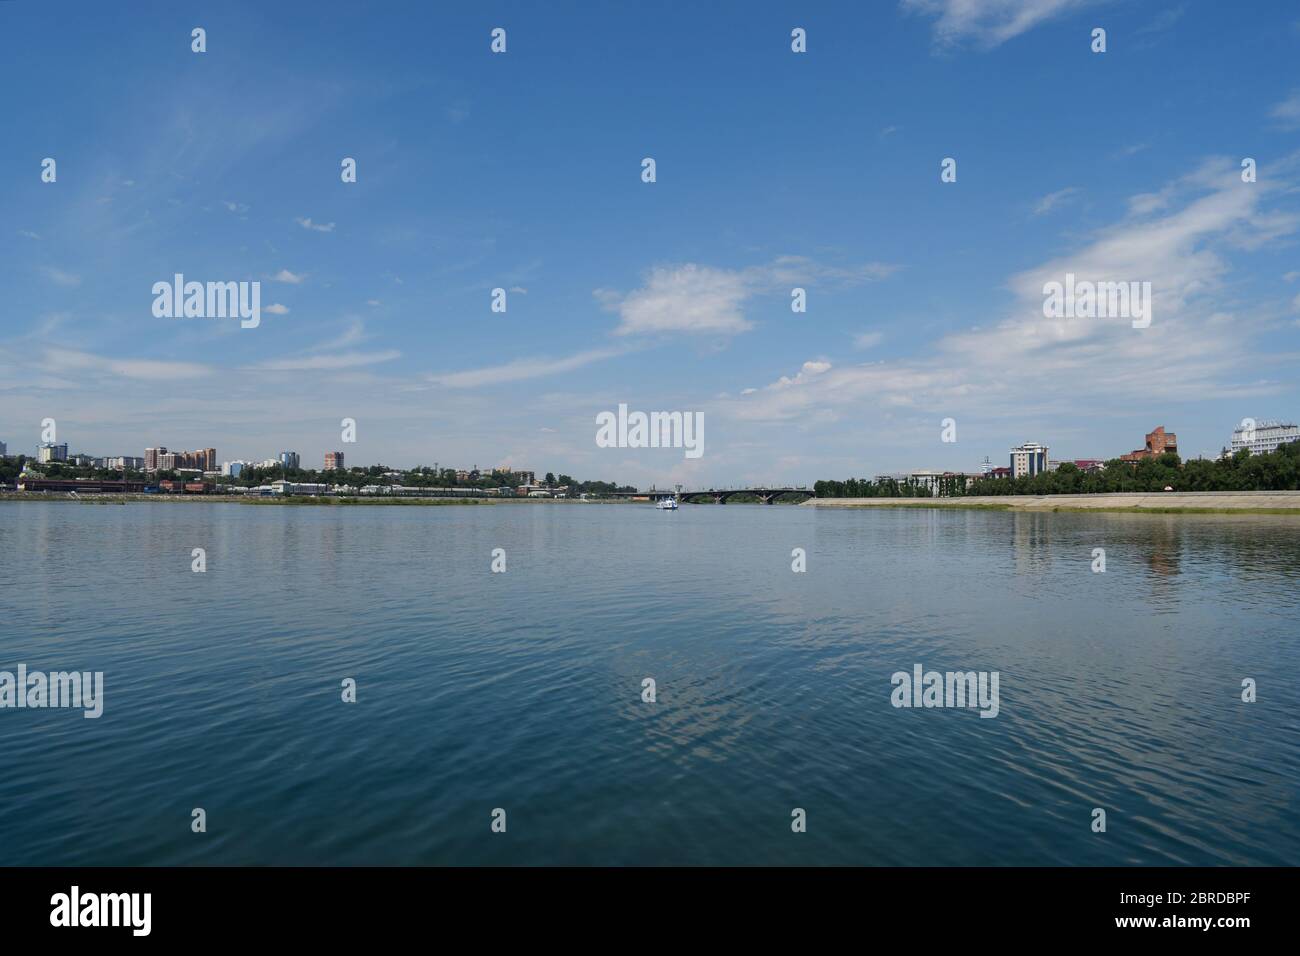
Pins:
x,y
376,296
1026,458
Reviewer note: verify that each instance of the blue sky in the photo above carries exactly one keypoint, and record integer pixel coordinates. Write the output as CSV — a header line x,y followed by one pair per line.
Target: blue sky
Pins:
x,y
523,171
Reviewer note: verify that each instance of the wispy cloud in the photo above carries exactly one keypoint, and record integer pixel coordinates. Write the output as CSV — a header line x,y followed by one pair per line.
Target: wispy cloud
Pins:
x,y
59,277
315,226
987,23
1162,21
866,340
150,370
522,369
284,275
354,334
1052,200
1287,113
327,362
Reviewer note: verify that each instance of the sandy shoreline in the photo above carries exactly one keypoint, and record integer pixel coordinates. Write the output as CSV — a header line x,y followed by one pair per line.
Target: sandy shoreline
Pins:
x,y
1169,502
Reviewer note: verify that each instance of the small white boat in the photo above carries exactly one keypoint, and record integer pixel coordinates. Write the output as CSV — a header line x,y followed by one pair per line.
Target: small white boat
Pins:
x,y
667,504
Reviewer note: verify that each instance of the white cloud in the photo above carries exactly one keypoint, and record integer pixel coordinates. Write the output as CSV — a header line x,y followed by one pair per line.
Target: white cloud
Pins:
x,y
284,275
70,360
987,23
522,369
866,340
276,309
315,226
327,362
701,300
1288,111
1051,200
353,335
1193,350
238,208
690,298
60,277
28,235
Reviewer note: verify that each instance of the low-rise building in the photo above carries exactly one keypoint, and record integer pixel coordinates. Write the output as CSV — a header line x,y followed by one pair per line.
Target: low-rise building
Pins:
x,y
28,482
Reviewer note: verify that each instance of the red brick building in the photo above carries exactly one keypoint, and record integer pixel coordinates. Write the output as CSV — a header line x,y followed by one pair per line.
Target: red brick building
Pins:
x,y
1158,442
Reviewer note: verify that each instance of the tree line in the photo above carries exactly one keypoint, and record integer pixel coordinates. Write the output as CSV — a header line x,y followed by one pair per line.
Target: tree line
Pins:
x,y
1271,471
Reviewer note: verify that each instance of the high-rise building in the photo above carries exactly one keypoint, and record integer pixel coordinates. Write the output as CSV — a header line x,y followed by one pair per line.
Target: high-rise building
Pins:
x,y
3,450
1258,437
334,461
289,459
1158,442
50,452
1028,459
151,457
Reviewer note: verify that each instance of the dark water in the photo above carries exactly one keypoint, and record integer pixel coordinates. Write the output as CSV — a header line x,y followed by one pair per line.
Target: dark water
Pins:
x,y
522,690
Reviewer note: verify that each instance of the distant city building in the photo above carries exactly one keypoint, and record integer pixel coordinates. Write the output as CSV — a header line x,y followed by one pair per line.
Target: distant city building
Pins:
x,y
1158,442
526,477
160,459
289,459
82,461
283,487
50,452
1089,464
1257,437
1028,459
334,461
3,450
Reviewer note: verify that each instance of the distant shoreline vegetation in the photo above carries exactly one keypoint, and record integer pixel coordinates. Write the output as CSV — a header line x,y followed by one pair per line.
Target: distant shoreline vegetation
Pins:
x,y
1272,471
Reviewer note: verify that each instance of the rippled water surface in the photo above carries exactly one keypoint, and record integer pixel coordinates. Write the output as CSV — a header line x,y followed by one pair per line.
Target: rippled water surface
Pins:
x,y
522,690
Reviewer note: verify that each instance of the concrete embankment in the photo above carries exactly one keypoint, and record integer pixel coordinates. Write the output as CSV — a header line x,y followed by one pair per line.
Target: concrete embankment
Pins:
x,y
1192,502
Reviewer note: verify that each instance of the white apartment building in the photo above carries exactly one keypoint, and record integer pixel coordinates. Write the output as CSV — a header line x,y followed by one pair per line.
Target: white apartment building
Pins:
x,y
1261,437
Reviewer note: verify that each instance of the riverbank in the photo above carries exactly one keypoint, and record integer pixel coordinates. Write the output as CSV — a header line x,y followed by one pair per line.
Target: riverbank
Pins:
x,y
295,500
1168,502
